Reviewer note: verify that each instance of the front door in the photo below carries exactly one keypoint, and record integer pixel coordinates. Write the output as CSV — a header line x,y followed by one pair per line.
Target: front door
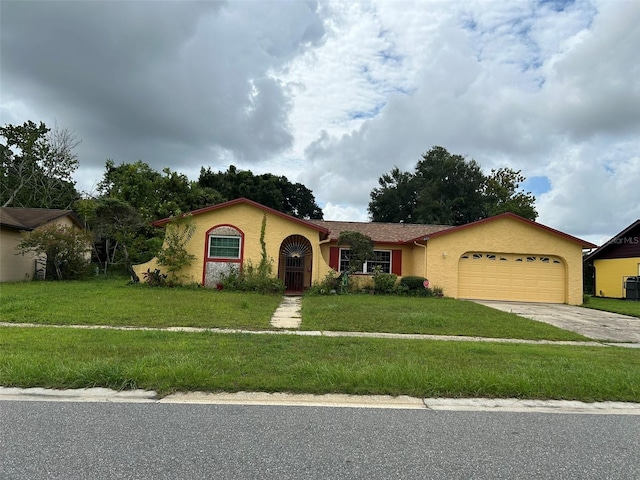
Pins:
x,y
295,263
294,273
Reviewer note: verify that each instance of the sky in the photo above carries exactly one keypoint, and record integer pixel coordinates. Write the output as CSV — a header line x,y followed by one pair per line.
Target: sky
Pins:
x,y
334,94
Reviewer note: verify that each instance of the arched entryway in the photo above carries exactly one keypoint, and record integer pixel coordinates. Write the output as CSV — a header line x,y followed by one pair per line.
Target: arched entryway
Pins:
x,y
295,263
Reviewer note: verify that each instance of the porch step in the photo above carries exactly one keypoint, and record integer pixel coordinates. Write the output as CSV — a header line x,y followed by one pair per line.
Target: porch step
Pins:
x,y
287,315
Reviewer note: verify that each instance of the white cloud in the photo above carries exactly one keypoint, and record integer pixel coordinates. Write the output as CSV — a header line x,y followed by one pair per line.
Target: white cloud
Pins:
x,y
334,94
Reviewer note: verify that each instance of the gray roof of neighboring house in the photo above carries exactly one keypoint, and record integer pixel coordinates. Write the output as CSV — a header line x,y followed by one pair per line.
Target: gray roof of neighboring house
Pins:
x,y
381,232
31,218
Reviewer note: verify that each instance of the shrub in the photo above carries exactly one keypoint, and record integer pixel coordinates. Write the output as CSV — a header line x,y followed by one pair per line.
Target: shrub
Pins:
x,y
384,282
328,285
155,278
413,282
252,279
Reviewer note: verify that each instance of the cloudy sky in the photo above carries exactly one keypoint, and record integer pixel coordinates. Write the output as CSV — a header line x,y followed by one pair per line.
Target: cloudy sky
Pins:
x,y
333,94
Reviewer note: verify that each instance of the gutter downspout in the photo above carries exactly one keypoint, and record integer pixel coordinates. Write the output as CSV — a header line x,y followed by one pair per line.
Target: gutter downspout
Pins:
x,y
425,257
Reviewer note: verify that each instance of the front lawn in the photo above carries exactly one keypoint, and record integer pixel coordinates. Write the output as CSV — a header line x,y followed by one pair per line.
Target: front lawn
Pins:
x,y
437,316
114,302
169,361
625,307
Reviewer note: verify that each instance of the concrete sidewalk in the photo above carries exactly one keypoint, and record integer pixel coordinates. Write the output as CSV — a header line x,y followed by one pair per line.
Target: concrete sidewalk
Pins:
x,y
318,333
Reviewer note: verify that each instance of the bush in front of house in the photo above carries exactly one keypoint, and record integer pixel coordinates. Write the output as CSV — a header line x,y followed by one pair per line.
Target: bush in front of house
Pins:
x,y
252,279
384,283
413,286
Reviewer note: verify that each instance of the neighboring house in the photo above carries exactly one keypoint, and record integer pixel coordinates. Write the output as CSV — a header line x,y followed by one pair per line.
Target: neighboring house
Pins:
x,y
505,257
615,261
14,223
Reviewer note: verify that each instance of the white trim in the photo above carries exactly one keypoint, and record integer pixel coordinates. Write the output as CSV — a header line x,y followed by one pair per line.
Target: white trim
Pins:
x,y
366,264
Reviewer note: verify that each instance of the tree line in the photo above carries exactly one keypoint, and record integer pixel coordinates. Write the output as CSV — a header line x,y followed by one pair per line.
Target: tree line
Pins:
x,y
37,166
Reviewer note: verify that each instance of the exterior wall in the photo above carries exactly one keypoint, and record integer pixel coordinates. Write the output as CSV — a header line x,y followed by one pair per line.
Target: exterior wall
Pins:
x,y
14,267
505,235
20,267
610,273
247,219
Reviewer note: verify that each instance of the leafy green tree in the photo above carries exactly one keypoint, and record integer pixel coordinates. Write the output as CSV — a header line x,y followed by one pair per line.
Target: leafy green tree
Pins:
x,y
448,189
67,250
118,230
36,166
154,194
502,194
174,254
273,191
360,249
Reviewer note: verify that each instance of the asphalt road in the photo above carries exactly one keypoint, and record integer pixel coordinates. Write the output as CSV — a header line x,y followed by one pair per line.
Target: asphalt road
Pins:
x,y
69,440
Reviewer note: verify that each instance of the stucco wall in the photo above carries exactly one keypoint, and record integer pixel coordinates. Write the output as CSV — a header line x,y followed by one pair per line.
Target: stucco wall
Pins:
x,y
247,219
504,235
14,267
610,273
20,267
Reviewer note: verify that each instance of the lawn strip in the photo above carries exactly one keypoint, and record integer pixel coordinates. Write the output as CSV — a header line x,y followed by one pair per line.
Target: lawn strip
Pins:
x,y
114,302
168,362
623,307
435,316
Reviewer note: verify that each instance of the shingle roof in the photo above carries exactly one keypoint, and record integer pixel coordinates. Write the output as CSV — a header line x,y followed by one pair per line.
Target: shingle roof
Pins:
x,y
607,245
381,232
31,218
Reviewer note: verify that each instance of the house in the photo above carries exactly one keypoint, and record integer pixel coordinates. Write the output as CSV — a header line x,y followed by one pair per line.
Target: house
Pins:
x,y
14,222
505,257
615,261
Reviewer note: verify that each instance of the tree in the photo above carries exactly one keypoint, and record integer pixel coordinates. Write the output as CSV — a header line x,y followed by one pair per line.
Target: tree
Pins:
x,y
174,254
116,227
448,189
36,166
270,190
360,249
502,194
154,194
67,250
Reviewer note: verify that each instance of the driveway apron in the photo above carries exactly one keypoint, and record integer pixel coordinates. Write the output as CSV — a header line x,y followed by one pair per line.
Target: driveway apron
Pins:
x,y
589,322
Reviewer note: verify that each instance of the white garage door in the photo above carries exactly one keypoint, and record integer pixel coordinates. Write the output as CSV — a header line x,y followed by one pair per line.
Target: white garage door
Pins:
x,y
523,278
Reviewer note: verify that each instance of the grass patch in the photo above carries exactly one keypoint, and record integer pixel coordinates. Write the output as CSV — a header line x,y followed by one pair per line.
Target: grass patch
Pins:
x,y
168,362
114,302
437,316
625,307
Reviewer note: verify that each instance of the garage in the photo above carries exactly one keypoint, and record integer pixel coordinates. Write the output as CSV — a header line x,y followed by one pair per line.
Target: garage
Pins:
x,y
506,276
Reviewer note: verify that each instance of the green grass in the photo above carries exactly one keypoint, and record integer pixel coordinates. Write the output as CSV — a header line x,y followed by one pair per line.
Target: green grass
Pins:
x,y
167,362
625,307
438,316
114,302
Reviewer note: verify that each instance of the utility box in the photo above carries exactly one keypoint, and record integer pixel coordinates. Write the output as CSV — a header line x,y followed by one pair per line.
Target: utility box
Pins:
x,y
632,287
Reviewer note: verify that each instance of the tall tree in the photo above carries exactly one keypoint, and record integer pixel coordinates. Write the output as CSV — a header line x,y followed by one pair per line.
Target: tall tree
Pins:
x,y
154,194
37,165
503,194
273,191
448,189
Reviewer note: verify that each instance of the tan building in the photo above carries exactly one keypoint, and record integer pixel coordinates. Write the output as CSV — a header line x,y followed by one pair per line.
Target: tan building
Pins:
x,y
505,257
14,223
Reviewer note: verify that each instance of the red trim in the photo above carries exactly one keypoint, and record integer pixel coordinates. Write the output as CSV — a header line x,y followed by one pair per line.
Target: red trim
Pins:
x,y
513,216
334,258
210,208
208,259
396,262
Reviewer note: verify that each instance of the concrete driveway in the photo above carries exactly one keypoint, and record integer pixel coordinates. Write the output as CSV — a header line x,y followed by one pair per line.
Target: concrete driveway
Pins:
x,y
591,323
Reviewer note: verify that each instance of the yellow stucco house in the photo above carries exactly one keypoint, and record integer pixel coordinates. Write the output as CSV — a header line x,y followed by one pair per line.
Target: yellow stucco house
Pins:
x,y
505,257
616,261
14,223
